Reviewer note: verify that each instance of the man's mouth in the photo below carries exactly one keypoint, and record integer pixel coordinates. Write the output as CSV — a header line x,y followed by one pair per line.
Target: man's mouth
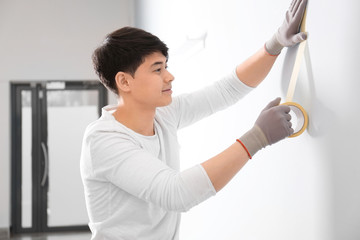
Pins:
x,y
168,90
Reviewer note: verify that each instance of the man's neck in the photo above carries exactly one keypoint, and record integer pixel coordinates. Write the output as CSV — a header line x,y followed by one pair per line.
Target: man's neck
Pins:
x,y
138,120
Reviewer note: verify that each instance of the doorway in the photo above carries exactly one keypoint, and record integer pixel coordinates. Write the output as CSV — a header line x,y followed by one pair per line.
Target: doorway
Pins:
x,y
48,120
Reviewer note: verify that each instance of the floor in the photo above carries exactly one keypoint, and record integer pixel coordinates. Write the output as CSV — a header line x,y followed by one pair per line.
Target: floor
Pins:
x,y
54,236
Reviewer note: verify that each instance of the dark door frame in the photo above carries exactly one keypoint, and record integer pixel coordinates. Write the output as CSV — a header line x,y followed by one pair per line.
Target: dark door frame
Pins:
x,y
39,139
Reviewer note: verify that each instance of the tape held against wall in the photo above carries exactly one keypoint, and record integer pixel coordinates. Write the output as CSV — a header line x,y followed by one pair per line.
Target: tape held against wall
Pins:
x,y
301,117
299,111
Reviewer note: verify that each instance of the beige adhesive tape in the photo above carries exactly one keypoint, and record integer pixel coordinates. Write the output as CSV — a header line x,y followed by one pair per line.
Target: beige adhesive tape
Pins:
x,y
301,115
295,72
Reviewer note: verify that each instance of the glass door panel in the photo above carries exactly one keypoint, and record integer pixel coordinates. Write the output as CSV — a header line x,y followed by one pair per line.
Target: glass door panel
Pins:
x,y
26,159
68,114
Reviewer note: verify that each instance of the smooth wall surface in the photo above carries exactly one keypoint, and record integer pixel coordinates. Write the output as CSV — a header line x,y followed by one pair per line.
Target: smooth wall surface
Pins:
x,y
301,188
48,40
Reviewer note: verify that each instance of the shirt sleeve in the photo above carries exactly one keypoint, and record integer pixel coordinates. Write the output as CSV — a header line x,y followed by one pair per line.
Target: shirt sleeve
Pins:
x,y
134,170
189,108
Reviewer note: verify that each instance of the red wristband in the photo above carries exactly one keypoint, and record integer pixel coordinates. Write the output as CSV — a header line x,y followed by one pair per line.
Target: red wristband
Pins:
x,y
238,140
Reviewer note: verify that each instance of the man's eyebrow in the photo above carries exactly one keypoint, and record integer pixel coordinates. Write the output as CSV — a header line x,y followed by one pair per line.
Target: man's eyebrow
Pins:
x,y
157,63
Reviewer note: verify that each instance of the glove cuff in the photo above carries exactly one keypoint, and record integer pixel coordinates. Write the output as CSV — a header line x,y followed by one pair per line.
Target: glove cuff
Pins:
x,y
273,46
254,140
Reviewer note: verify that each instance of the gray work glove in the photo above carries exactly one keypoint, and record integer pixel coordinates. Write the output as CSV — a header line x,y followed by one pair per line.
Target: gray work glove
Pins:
x,y
288,34
272,125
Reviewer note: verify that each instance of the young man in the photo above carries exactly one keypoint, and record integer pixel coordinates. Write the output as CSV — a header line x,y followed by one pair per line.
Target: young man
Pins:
x,y
134,188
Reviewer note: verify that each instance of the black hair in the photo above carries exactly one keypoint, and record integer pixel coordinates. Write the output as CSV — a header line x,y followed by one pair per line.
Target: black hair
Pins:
x,y
124,50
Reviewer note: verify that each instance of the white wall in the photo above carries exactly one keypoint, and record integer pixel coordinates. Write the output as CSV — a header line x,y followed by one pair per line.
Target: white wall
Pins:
x,y
48,40
301,188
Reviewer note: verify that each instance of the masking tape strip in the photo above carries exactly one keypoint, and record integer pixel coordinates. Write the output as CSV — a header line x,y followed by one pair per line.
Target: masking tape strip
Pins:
x,y
302,117
295,72
297,64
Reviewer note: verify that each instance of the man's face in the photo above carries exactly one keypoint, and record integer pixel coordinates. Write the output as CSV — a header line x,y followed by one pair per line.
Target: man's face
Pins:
x,y
151,84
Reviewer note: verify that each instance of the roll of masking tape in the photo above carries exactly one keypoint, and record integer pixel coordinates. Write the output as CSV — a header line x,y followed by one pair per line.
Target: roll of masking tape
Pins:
x,y
301,118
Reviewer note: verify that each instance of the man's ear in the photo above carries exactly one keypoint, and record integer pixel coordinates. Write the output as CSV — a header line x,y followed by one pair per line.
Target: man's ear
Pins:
x,y
122,82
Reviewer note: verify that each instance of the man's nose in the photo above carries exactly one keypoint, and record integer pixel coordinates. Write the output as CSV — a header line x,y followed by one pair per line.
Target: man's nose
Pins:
x,y
170,77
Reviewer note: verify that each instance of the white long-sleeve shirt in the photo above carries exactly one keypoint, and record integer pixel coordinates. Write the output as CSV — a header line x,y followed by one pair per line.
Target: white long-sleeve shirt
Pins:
x,y
133,185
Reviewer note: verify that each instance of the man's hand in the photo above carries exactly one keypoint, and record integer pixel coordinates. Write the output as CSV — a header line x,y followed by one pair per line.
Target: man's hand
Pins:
x,y
272,125
288,33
